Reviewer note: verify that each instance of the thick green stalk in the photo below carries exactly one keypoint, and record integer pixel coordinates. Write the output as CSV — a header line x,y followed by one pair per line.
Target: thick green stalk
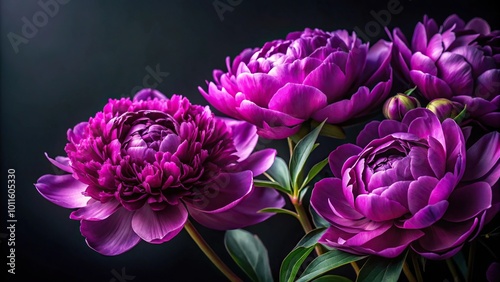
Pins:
x,y
209,252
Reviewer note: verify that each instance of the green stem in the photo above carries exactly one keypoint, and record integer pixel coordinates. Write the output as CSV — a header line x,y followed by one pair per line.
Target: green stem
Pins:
x,y
209,252
416,266
470,263
290,146
408,274
453,270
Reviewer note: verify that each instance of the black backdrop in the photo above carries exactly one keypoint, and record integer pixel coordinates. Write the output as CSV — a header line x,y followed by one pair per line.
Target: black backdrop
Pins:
x,y
59,69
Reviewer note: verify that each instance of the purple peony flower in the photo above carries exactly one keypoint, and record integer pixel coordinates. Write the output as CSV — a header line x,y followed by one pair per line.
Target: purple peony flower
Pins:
x,y
140,166
409,183
458,61
311,74
493,272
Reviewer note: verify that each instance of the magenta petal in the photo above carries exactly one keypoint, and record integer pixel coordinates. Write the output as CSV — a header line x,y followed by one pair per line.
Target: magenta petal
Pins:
x,y
62,190
149,93
111,236
224,192
220,99
423,63
245,213
493,272
330,80
419,193
483,158
369,133
431,86
159,226
337,157
468,201
244,137
379,208
95,210
338,210
457,73
419,40
278,132
488,84
258,87
60,162
258,162
258,115
290,100
426,216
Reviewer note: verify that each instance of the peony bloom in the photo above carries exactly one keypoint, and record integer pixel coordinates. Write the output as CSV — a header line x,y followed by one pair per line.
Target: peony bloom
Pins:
x,y
311,74
409,183
140,166
458,61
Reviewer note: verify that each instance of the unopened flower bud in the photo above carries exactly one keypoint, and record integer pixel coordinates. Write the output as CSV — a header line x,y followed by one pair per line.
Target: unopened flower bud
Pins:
x,y
397,106
444,108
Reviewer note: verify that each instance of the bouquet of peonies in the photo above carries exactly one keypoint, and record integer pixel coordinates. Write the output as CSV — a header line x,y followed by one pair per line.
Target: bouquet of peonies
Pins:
x,y
419,185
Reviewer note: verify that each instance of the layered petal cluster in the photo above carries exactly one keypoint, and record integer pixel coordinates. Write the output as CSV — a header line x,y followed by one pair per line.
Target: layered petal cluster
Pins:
x,y
310,74
139,167
457,61
410,183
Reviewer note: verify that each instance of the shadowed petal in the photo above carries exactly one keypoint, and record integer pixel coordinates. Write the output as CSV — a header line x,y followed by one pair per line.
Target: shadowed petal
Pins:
x,y
431,86
225,191
468,201
258,162
244,214
148,93
337,157
95,210
111,236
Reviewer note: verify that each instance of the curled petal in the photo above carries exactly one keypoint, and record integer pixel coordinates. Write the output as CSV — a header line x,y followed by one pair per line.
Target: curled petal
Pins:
x,y
159,226
62,190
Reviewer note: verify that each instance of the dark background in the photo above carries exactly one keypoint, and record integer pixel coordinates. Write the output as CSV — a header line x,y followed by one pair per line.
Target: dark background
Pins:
x,y
90,51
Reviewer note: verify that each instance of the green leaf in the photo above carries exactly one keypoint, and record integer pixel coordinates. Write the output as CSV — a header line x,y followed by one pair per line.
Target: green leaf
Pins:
x,y
291,264
410,91
270,184
277,210
461,263
280,173
317,219
314,171
326,262
249,253
303,192
382,269
460,117
332,278
330,130
301,153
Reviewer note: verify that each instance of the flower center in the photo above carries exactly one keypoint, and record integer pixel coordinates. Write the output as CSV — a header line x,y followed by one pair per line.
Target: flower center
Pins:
x,y
144,133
